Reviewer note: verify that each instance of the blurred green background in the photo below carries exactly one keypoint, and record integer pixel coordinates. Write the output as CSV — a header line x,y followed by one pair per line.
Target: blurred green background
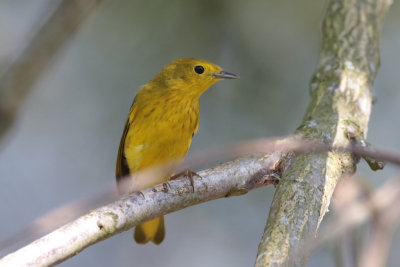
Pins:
x,y
64,143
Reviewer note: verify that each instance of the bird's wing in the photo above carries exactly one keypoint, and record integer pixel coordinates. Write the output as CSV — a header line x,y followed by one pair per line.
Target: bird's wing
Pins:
x,y
122,168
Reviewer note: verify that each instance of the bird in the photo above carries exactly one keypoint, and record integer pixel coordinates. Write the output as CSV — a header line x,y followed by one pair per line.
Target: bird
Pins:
x,y
161,123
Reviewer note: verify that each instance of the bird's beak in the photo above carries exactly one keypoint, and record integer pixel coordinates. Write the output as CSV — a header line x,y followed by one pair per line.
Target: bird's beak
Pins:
x,y
226,75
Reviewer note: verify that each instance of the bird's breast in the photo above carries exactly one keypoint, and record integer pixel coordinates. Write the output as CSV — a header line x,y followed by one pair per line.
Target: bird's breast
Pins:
x,y
161,132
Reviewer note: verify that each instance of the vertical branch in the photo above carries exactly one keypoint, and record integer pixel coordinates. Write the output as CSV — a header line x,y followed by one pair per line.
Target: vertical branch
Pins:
x,y
338,114
28,67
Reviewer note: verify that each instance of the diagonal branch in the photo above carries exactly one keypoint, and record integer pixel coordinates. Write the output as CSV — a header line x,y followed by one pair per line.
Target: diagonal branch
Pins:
x,y
229,179
338,115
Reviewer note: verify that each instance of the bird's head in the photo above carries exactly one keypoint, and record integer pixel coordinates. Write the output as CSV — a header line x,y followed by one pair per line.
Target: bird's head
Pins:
x,y
191,76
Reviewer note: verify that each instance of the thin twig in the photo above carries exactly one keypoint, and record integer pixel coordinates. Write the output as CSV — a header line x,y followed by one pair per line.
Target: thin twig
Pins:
x,y
261,147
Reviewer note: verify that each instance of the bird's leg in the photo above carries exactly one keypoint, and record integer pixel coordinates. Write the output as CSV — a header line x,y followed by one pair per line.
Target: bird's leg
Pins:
x,y
165,187
126,186
186,174
138,193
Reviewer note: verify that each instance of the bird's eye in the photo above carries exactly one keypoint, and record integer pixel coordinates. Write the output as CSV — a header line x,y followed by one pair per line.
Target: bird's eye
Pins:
x,y
199,69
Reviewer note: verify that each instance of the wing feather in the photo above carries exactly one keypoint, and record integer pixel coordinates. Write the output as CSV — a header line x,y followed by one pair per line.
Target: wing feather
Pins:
x,y
122,168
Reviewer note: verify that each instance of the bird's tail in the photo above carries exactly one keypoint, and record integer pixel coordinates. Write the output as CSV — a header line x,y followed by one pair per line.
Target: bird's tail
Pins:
x,y
153,230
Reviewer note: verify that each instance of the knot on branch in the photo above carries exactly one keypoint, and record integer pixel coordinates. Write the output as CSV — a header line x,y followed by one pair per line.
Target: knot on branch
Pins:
x,y
108,222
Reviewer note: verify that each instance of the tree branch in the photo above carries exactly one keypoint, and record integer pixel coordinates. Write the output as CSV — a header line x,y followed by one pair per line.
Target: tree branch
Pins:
x,y
229,179
338,114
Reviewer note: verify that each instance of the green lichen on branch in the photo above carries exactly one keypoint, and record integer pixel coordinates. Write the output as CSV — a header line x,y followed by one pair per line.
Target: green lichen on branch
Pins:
x,y
340,106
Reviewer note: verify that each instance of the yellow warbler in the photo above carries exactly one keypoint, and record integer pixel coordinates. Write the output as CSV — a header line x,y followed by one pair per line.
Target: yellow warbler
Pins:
x,y
162,120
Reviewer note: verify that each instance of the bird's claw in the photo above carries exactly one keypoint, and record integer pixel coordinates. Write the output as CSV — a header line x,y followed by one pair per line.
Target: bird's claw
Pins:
x,y
165,187
139,193
186,174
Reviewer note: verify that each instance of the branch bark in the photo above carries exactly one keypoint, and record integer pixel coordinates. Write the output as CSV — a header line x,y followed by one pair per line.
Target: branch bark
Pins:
x,y
338,115
229,179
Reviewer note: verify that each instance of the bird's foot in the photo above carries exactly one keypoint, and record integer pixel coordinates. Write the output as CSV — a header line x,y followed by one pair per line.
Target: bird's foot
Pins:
x,y
165,187
138,193
186,174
